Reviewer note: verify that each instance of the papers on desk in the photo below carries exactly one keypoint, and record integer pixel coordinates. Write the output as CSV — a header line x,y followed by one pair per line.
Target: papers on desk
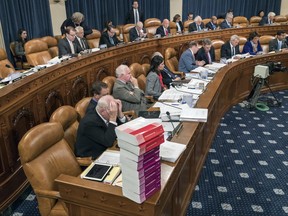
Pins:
x,y
173,108
214,66
111,157
170,151
176,94
197,84
194,114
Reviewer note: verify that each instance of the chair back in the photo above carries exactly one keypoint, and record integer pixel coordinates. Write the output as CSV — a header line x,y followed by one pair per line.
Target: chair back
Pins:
x,y
254,20
145,68
93,39
67,116
18,60
242,41
52,45
280,19
264,41
37,52
44,155
219,21
173,28
126,29
4,70
138,72
151,26
205,21
109,80
171,60
217,47
240,21
186,25
81,107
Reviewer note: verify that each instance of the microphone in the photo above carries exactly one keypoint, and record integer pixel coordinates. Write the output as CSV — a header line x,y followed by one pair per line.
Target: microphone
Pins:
x,y
170,120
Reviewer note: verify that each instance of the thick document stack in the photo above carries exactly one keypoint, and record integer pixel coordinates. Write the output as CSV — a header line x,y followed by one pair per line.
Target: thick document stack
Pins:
x,y
139,141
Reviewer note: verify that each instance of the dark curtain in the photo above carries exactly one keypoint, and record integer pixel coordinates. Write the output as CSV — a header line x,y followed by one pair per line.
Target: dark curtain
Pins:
x,y
33,15
247,8
97,12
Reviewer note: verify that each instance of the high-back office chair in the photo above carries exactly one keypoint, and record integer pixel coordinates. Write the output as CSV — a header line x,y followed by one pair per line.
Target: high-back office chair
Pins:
x,y
186,24
205,21
138,72
242,41
280,19
6,67
81,107
37,52
93,39
264,41
109,80
145,68
52,45
151,26
44,155
217,47
219,21
20,64
173,28
240,21
126,29
254,20
171,61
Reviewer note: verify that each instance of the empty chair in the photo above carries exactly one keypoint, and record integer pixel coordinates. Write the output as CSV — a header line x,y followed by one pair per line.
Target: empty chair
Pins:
x,y
126,29
6,67
205,21
93,39
219,21
44,155
254,20
242,41
217,47
171,60
37,52
240,21
264,41
186,24
52,45
173,28
151,26
81,106
280,19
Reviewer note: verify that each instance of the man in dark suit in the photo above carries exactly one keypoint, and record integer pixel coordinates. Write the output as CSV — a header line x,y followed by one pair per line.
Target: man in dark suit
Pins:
x,y
197,25
230,48
109,37
267,20
227,23
134,15
98,90
212,25
67,45
80,39
279,43
164,29
96,131
137,32
206,52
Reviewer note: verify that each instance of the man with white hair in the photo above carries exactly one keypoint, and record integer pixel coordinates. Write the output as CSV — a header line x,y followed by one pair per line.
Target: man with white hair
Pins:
x,y
127,90
164,29
80,39
230,48
267,20
137,32
227,23
197,25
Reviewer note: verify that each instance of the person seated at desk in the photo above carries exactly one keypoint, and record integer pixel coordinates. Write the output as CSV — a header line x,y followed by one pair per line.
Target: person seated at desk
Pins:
x,y
99,89
167,76
212,25
206,52
67,45
179,24
137,32
154,82
164,29
80,39
279,43
19,44
227,23
253,46
267,20
77,19
197,25
96,131
261,13
109,37
230,48
188,61
126,89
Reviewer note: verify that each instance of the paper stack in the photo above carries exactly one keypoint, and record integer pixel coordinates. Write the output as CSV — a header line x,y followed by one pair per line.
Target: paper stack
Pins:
x,y
139,141
194,114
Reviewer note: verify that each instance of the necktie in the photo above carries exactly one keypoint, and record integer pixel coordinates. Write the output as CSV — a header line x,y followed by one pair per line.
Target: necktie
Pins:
x,y
198,28
72,47
166,31
208,57
83,44
136,16
233,51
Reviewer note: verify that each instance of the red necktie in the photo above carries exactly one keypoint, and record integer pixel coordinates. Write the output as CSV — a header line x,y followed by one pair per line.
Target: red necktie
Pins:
x,y
166,32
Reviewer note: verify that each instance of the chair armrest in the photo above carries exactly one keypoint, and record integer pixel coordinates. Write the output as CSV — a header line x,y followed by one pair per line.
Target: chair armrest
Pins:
x,y
47,193
84,161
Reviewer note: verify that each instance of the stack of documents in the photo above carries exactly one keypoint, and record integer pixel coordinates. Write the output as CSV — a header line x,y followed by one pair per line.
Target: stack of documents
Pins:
x,y
170,151
139,142
194,114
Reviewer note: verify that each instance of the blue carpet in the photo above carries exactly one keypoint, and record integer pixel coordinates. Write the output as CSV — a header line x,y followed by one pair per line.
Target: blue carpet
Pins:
x,y
246,171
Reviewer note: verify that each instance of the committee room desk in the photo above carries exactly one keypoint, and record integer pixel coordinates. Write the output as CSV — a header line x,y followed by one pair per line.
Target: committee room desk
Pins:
x,y
230,86
33,99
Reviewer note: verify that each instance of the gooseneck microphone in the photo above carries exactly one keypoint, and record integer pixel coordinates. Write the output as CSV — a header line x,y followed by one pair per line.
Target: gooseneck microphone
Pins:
x,y
170,120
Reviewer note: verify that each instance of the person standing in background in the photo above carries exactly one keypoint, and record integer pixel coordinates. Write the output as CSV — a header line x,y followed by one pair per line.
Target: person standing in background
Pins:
x,y
134,15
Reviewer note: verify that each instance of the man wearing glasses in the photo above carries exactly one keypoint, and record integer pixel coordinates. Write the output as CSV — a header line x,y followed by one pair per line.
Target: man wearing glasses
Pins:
x,y
67,45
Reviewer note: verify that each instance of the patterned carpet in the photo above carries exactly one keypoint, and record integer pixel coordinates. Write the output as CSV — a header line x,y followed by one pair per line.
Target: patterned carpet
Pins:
x,y
246,171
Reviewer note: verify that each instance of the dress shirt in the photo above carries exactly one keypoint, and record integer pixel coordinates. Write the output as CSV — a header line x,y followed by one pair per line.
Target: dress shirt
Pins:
x,y
178,27
279,44
71,46
136,16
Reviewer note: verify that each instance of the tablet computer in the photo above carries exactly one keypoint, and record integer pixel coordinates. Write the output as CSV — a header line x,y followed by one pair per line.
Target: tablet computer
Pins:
x,y
96,171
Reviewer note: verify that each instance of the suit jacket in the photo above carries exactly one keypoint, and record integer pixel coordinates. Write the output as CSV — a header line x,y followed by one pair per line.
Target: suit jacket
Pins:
x,y
69,22
160,30
226,50
201,55
65,49
130,16
264,21
225,24
248,48
193,27
91,106
187,62
86,46
273,45
131,98
167,76
105,39
153,85
133,34
94,136
211,26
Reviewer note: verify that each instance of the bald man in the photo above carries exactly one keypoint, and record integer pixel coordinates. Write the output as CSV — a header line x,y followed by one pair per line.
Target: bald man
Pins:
x,y
137,32
164,29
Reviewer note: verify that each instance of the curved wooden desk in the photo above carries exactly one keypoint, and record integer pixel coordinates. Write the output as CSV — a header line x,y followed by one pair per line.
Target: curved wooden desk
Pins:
x,y
32,100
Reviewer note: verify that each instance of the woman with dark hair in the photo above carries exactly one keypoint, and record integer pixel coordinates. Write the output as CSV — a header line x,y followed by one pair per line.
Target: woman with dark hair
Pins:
x,y
261,13
253,45
179,25
20,42
154,83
